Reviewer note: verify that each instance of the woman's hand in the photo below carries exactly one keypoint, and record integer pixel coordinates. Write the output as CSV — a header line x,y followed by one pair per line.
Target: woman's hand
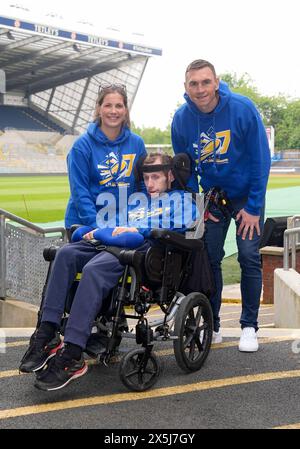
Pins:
x,y
119,230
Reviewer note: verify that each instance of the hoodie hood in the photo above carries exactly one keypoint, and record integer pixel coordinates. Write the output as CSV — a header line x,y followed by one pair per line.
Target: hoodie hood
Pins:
x,y
95,132
228,147
224,94
98,165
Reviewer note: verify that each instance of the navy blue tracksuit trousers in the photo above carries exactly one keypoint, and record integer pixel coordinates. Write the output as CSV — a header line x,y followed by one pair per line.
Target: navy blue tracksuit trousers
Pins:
x,y
100,273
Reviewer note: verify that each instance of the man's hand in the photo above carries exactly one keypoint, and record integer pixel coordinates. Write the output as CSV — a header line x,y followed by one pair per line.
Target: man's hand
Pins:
x,y
89,235
248,222
119,230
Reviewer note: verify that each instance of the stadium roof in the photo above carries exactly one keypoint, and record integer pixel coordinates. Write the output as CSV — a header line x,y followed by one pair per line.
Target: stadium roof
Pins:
x,y
57,70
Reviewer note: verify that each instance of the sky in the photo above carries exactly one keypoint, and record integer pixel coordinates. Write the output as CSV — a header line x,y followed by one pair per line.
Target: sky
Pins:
x,y
257,37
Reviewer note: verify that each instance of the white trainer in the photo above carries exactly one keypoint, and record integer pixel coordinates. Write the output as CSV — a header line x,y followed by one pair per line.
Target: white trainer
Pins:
x,y
248,340
217,337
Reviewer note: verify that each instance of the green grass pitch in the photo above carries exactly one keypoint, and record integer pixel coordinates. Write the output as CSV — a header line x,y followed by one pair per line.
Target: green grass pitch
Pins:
x,y
39,199
43,199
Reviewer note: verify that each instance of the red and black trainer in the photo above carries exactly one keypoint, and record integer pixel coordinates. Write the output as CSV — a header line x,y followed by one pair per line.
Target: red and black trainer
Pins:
x,y
60,371
39,353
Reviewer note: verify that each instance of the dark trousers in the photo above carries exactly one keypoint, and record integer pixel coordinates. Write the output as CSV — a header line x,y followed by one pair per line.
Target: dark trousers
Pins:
x,y
249,260
100,273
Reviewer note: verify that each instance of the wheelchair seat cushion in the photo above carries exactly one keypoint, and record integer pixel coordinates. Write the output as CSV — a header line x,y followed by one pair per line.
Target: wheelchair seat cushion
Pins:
x,y
126,239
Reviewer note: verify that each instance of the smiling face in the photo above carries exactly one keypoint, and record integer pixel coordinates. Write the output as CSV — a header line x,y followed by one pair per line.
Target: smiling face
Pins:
x,y
201,85
112,112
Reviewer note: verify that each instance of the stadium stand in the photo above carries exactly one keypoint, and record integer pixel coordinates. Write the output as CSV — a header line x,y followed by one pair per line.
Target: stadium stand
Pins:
x,y
22,118
52,77
286,162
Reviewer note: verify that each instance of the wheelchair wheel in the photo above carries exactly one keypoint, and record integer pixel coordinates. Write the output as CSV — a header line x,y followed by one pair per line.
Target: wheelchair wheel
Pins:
x,y
135,373
194,327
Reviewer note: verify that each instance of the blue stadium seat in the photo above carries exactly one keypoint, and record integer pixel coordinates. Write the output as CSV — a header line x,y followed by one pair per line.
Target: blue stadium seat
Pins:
x,y
26,119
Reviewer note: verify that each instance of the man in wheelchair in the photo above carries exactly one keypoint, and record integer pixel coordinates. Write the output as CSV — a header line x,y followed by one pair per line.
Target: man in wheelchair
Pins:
x,y
56,363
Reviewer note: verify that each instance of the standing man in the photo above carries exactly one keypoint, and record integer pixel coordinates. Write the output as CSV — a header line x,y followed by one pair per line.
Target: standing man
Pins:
x,y
224,135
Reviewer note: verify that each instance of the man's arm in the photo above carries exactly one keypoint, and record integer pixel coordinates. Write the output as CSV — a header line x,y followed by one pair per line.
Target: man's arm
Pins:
x,y
260,162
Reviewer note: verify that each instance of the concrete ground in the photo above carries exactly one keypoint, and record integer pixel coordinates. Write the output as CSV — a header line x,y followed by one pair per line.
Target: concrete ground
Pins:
x,y
232,390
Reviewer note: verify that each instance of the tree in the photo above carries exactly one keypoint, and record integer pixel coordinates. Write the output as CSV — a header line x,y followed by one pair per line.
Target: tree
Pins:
x,y
278,111
153,135
288,129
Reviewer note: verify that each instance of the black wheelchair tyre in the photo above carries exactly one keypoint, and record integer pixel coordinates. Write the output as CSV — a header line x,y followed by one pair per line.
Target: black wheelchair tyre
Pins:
x,y
194,328
136,375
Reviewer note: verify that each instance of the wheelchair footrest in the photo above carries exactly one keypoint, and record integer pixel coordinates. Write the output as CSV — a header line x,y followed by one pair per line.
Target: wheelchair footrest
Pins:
x,y
96,345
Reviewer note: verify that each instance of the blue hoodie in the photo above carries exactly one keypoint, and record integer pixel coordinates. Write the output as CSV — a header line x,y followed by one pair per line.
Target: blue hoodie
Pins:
x,y
96,165
229,146
174,210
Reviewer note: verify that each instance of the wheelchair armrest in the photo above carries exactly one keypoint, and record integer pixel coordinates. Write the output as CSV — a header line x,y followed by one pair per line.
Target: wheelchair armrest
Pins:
x,y
49,253
166,237
74,227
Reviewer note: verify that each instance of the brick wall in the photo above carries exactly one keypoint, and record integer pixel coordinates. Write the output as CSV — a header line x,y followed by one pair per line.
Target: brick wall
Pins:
x,y
272,258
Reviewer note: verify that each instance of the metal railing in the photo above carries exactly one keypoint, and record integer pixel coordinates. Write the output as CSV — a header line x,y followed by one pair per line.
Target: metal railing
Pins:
x,y
28,229
291,243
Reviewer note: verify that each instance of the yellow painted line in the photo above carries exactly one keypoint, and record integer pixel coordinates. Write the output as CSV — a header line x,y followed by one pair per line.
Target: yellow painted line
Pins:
x,y
155,393
289,426
267,325
10,373
230,313
228,319
228,344
14,344
238,313
234,319
162,353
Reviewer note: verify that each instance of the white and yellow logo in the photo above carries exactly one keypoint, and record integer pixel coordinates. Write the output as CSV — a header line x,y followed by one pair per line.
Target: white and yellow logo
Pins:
x,y
111,169
219,144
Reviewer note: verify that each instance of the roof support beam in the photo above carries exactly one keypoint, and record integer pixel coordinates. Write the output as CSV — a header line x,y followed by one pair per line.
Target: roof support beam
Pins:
x,y
64,76
20,43
83,73
77,113
35,54
50,99
13,76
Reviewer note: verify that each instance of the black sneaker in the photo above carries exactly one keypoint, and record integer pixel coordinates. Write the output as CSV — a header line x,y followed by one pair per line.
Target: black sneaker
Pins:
x,y
38,353
60,371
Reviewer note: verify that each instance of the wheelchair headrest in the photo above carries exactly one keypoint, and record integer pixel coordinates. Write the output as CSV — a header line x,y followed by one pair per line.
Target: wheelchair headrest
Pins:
x,y
180,166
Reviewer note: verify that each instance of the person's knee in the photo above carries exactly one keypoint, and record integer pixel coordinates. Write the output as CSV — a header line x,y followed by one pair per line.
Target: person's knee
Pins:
x,y
65,252
88,270
247,258
215,256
